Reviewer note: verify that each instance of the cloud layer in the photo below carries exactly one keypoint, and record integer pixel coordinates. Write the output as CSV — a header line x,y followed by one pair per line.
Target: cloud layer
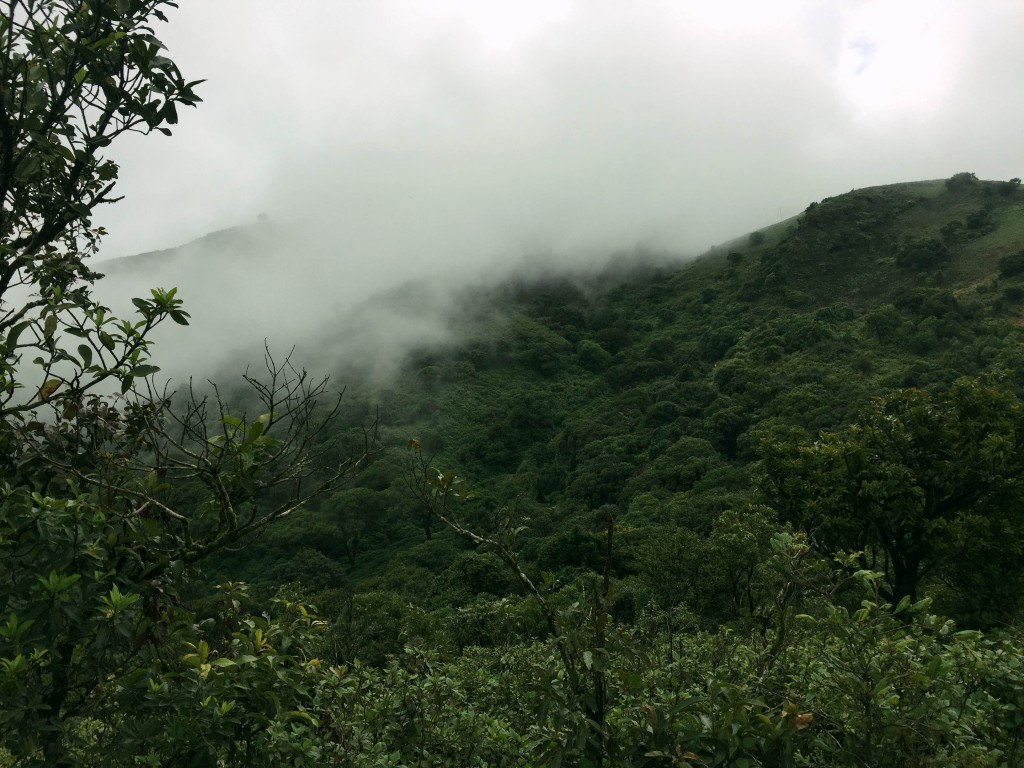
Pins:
x,y
565,123
403,139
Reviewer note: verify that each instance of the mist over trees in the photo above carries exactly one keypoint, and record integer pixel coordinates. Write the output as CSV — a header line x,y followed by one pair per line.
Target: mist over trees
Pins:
x,y
762,509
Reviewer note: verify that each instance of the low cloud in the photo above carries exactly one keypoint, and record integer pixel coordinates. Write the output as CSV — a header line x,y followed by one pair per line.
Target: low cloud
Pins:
x,y
435,144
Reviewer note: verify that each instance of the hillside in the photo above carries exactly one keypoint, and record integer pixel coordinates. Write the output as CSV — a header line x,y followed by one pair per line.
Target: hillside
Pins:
x,y
384,485
741,491
761,508
647,391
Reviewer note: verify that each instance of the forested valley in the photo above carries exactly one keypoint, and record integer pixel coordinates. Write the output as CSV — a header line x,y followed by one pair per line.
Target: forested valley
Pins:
x,y
760,508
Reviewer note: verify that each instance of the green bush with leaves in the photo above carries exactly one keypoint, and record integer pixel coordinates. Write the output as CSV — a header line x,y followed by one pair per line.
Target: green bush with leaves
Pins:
x,y
1012,265
922,254
109,502
928,485
961,181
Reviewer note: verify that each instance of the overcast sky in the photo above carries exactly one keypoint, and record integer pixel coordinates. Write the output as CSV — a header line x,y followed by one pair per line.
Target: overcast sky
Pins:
x,y
391,140
551,124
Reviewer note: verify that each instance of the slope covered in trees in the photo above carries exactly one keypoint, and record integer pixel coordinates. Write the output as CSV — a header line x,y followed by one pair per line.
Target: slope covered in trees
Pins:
x,y
659,390
810,442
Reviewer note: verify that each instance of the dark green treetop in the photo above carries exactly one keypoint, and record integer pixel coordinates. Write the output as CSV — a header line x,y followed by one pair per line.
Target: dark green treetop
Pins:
x,y
928,485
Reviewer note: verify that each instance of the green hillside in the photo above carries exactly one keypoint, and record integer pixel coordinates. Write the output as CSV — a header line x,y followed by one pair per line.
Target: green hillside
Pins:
x,y
761,508
650,391
718,478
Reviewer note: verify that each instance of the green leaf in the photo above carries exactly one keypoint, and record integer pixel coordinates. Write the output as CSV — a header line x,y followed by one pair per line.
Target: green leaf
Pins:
x,y
16,331
255,430
54,583
48,388
967,634
299,714
14,628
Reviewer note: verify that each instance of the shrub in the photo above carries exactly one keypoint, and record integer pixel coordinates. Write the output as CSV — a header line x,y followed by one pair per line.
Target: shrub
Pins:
x,y
953,233
1012,265
660,348
716,342
962,180
592,356
922,254
981,221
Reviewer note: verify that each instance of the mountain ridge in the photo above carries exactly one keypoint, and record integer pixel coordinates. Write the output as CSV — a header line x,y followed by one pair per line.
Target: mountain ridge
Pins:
x,y
649,393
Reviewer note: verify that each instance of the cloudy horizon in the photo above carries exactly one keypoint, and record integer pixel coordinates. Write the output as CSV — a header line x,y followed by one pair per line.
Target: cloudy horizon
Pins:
x,y
458,142
552,124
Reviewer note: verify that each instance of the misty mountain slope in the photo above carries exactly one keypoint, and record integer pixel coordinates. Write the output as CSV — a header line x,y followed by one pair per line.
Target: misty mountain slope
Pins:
x,y
295,285
650,390
232,242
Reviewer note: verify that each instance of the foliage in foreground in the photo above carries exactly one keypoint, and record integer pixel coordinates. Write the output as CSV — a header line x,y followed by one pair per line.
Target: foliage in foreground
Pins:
x,y
109,497
825,685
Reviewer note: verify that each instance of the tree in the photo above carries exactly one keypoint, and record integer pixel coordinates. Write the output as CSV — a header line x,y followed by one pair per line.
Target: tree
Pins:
x,y
593,356
962,180
1012,265
75,75
927,485
581,637
922,254
108,502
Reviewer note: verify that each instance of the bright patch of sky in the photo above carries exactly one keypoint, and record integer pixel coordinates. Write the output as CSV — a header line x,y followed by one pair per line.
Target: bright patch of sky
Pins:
x,y
900,60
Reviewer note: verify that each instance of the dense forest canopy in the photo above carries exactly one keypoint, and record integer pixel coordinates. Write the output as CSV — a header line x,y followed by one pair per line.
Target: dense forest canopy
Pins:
x,y
760,508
